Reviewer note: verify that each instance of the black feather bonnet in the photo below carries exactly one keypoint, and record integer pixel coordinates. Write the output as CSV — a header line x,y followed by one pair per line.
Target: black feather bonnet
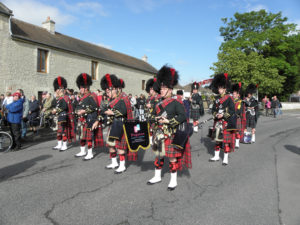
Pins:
x,y
84,80
60,83
167,76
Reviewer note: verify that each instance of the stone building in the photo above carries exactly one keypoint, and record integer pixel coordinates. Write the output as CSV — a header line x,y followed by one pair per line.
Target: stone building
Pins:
x,y
32,56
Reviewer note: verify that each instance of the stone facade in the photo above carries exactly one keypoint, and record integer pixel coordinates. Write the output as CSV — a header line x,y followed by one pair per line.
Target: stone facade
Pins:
x,y
18,67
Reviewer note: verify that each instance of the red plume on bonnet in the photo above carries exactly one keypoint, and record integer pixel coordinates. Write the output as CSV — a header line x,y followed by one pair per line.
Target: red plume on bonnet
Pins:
x,y
59,81
84,78
226,75
107,76
240,85
167,76
173,74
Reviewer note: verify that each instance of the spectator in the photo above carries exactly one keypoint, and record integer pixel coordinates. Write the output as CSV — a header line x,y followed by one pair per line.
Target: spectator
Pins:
x,y
76,96
1,100
133,104
14,118
140,104
268,106
74,102
264,101
275,105
47,108
43,99
70,91
34,110
186,103
99,92
8,99
25,114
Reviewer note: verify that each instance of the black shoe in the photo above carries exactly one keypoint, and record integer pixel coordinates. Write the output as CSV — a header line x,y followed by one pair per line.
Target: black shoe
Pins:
x,y
149,183
171,188
117,172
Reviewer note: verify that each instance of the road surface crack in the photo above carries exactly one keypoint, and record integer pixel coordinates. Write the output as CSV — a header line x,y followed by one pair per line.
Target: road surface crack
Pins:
x,y
47,214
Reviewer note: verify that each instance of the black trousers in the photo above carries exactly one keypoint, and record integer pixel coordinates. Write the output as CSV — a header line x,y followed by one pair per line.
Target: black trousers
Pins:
x,y
15,130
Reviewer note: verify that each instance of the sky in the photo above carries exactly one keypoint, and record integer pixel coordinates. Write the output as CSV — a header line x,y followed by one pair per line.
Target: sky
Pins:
x,y
181,33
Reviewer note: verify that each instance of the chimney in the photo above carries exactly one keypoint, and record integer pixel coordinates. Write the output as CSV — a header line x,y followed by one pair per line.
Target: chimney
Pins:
x,y
145,58
49,25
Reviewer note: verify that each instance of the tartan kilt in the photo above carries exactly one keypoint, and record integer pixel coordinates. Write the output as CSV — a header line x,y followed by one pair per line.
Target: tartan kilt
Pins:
x,y
95,135
98,137
121,144
195,114
86,134
229,138
250,121
184,157
61,128
241,126
170,150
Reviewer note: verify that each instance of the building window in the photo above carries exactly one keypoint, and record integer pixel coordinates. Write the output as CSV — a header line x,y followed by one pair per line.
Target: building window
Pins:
x,y
42,59
94,70
143,84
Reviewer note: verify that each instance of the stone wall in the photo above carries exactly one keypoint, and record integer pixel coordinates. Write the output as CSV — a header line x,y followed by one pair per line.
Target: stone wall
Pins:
x,y
18,67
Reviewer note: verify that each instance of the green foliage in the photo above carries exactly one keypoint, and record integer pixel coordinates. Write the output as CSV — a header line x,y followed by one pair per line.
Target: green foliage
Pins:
x,y
262,48
251,68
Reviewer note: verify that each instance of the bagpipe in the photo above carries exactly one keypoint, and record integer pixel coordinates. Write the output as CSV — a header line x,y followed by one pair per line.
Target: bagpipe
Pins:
x,y
93,113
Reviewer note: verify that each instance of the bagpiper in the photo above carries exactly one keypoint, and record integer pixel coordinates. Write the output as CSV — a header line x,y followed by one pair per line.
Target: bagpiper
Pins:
x,y
170,134
64,112
251,106
223,111
119,109
240,113
87,111
197,108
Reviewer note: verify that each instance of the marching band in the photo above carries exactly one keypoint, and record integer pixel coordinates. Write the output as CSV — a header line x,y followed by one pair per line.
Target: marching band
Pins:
x,y
166,122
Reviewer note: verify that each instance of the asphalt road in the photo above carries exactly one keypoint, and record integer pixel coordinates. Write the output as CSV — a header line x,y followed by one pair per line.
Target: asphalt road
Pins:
x,y
260,186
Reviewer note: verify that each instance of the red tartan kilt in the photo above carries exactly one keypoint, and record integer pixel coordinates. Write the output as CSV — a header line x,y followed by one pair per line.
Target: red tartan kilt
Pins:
x,y
122,144
229,138
86,134
170,150
62,128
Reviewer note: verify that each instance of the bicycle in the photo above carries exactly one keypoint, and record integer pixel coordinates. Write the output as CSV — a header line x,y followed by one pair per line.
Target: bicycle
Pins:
x,y
6,140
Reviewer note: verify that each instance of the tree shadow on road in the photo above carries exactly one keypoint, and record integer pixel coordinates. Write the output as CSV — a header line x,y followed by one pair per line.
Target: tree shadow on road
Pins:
x,y
293,148
15,169
209,145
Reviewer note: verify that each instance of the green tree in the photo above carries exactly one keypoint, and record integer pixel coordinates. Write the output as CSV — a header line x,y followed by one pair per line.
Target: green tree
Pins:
x,y
272,38
250,68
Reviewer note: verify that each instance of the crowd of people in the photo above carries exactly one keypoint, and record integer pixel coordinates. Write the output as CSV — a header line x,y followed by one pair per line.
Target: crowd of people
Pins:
x,y
172,118
271,107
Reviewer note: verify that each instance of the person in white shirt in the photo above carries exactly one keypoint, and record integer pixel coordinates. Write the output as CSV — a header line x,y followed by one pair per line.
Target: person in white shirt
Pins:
x,y
8,99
